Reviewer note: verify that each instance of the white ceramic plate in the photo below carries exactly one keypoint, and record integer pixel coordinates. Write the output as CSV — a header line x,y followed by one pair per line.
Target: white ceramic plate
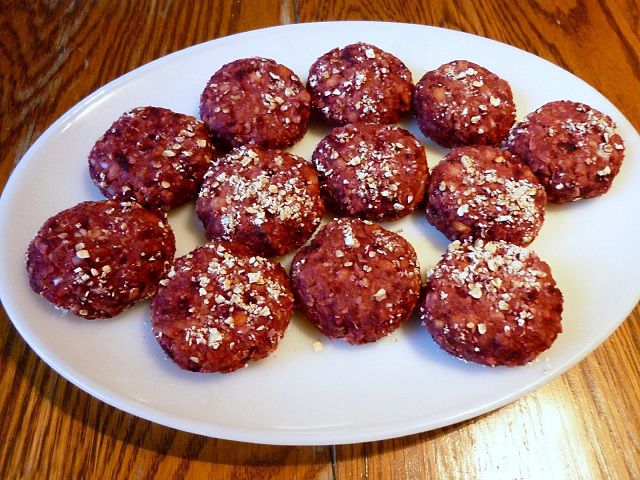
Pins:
x,y
402,384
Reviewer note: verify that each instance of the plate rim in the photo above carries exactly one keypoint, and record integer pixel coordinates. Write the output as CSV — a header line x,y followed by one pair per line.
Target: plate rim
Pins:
x,y
263,436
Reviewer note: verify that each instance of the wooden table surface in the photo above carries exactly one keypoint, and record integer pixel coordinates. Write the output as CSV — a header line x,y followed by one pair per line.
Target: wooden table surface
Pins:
x,y
585,424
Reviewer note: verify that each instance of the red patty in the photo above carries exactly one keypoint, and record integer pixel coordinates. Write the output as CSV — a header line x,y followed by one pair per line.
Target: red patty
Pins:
x,y
356,280
482,192
572,148
220,307
268,200
98,258
153,156
462,103
258,101
375,172
492,303
360,83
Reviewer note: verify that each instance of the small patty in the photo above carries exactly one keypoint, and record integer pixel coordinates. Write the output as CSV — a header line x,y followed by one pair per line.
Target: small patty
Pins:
x,y
268,200
153,156
98,258
462,103
359,83
370,171
572,148
257,101
492,303
482,192
356,280
220,307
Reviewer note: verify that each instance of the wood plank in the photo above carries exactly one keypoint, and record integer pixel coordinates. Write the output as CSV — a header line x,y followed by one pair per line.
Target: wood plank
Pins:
x,y
574,426
567,33
53,54
571,428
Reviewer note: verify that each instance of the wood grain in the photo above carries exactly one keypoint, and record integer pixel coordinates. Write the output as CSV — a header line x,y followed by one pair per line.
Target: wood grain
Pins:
x,y
53,54
572,428
584,424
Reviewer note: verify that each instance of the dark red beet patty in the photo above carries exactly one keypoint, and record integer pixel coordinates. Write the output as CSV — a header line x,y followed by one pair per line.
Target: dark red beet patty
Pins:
x,y
356,280
360,83
98,258
220,307
482,192
153,156
572,148
258,101
268,200
492,303
371,171
462,103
